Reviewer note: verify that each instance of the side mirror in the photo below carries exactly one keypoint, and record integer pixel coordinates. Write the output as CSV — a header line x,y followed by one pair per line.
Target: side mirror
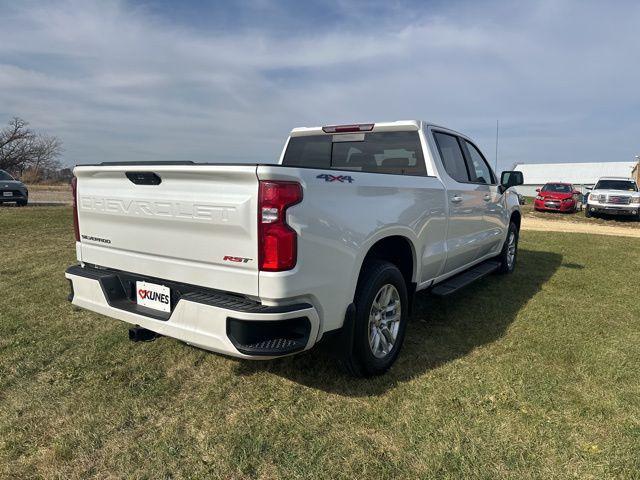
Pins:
x,y
511,179
589,188
577,192
538,190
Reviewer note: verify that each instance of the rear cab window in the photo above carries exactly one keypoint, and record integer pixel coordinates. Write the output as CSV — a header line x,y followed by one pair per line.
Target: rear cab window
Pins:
x,y
395,153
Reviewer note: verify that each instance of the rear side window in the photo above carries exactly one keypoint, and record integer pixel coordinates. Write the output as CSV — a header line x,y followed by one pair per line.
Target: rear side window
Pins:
x,y
396,153
452,156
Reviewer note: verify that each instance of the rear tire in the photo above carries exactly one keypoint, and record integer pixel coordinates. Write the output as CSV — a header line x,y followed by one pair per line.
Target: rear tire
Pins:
x,y
380,321
509,252
22,203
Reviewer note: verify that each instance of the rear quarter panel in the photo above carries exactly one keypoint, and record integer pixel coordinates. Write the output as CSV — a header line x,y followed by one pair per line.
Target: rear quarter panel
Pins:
x,y
338,221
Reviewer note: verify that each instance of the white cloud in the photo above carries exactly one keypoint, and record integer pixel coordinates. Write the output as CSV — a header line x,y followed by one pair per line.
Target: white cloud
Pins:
x,y
116,82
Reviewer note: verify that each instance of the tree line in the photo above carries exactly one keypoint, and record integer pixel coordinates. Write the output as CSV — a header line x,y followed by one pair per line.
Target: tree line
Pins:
x,y
29,155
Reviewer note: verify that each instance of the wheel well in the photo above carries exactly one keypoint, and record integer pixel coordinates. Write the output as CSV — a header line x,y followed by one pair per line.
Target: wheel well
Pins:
x,y
516,217
397,250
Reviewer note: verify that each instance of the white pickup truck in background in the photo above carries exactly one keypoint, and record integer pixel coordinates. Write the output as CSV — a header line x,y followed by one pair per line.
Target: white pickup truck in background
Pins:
x,y
614,196
260,261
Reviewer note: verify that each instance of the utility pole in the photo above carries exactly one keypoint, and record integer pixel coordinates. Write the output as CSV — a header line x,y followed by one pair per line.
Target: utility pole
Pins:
x,y
495,167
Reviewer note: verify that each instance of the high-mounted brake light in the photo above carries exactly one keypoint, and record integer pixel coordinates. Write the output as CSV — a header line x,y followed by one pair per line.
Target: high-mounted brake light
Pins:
x,y
277,242
363,127
74,191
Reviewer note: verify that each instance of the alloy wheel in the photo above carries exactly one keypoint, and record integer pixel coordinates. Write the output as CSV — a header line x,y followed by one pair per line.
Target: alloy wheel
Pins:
x,y
384,320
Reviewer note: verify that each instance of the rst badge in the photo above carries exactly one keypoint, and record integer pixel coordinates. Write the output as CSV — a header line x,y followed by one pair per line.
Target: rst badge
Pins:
x,y
229,258
153,296
336,178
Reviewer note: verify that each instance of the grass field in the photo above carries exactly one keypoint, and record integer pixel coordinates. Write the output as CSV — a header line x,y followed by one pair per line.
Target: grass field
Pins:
x,y
50,193
535,375
624,221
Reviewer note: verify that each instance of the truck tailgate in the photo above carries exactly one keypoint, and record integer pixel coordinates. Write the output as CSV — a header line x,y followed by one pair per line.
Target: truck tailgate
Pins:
x,y
198,225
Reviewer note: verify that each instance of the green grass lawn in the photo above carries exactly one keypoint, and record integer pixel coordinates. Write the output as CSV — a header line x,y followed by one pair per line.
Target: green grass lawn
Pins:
x,y
533,375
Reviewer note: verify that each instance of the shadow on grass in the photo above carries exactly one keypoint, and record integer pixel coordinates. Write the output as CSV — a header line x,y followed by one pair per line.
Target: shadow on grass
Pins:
x,y
440,330
616,218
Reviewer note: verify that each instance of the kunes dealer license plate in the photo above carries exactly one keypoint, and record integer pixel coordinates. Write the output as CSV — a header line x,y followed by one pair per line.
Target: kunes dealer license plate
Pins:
x,y
153,296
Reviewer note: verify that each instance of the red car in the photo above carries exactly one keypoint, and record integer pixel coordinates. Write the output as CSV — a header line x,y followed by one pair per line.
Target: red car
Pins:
x,y
558,197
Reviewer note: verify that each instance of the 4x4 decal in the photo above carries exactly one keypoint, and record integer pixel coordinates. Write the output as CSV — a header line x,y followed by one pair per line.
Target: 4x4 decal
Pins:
x,y
336,178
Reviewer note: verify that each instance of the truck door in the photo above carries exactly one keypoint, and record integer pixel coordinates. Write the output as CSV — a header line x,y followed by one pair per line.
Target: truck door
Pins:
x,y
494,210
466,203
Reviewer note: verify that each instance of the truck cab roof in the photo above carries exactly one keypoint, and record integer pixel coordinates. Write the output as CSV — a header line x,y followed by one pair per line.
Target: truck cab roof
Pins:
x,y
617,178
398,125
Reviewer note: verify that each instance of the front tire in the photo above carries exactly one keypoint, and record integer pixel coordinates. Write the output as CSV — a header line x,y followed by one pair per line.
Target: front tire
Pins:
x,y
587,212
380,321
509,252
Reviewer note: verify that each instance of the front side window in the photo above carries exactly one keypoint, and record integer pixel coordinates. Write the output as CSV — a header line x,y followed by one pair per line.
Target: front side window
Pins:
x,y
557,188
478,167
625,185
452,156
398,153
5,176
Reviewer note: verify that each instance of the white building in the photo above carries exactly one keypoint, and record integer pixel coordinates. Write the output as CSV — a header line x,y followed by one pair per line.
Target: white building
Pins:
x,y
581,175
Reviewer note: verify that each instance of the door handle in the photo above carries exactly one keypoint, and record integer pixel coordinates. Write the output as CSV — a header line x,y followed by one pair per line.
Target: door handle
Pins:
x,y
456,199
487,198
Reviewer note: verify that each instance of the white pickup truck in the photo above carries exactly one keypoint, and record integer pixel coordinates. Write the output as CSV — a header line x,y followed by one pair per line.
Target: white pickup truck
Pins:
x,y
614,196
261,261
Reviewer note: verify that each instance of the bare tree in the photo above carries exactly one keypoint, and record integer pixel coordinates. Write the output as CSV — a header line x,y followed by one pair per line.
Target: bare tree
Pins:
x,y
45,152
23,149
15,144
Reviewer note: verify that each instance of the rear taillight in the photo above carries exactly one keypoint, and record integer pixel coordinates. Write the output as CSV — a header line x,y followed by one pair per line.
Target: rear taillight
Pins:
x,y
277,243
74,190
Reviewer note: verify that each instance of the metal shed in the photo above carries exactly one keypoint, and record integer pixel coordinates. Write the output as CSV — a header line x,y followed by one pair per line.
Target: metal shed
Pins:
x,y
581,175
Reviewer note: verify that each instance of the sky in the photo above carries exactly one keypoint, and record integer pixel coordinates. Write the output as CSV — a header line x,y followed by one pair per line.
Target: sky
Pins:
x,y
222,81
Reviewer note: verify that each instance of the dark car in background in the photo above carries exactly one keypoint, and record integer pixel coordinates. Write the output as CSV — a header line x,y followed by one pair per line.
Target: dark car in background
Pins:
x,y
12,190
